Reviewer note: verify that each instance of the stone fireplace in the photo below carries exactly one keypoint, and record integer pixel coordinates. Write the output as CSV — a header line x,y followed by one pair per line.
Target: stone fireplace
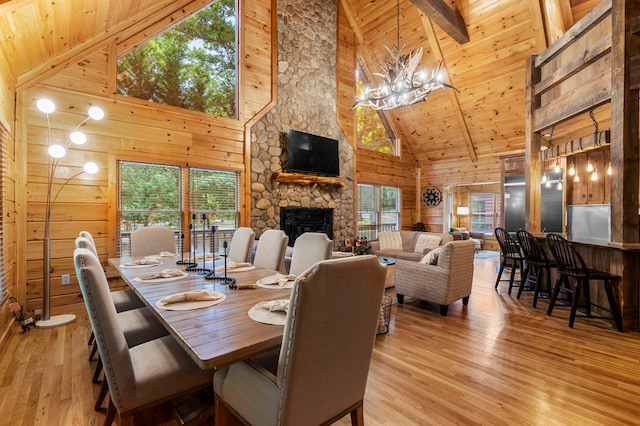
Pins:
x,y
296,221
306,101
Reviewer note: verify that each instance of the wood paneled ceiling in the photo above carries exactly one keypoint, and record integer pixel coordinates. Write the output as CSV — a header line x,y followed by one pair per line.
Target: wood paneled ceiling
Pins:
x,y
486,118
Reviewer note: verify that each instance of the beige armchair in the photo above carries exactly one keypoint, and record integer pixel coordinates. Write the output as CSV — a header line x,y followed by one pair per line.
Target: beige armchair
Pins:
x,y
445,282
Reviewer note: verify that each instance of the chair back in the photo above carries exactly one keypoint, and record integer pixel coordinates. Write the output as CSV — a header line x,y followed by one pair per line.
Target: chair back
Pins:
x,y
152,240
82,242
308,249
328,338
532,250
241,245
271,249
109,336
568,259
88,236
509,246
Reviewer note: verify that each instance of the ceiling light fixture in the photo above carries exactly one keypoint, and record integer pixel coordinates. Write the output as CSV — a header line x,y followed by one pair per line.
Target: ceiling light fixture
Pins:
x,y
403,85
572,170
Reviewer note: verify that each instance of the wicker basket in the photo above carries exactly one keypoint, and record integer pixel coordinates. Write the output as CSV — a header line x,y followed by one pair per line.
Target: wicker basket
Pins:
x,y
385,315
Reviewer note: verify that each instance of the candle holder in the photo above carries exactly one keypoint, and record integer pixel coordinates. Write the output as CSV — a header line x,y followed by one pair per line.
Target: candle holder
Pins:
x,y
204,270
224,279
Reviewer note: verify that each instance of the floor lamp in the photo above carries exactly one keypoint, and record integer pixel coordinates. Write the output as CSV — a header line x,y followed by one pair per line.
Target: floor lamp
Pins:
x,y
462,211
56,152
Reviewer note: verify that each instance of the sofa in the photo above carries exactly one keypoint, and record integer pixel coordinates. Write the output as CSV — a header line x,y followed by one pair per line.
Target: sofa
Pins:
x,y
408,245
476,237
442,278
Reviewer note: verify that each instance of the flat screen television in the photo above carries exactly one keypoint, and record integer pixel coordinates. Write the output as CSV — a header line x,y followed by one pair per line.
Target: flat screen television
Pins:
x,y
312,154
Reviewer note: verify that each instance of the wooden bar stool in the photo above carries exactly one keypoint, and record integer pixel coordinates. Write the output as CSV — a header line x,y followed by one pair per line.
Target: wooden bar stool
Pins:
x,y
538,264
572,266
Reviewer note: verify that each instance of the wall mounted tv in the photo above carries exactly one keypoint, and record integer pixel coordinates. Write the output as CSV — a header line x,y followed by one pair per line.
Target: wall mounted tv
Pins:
x,y
312,154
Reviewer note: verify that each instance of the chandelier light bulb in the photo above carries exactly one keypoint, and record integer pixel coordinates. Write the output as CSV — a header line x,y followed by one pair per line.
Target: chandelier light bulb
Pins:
x,y
557,167
96,113
91,168
594,175
560,185
45,105
572,170
77,138
544,178
576,178
609,169
548,184
589,166
57,151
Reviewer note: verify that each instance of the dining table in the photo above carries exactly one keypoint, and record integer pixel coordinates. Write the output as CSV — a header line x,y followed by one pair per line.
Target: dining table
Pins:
x,y
218,335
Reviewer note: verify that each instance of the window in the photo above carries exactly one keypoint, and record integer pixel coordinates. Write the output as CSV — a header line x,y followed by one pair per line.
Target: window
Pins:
x,y
372,128
485,209
378,210
192,65
154,195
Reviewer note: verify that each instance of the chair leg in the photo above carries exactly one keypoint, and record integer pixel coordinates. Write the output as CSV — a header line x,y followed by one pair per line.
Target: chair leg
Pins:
x,y
524,278
513,275
443,310
400,298
111,413
554,296
357,416
574,303
104,388
502,265
96,372
615,312
465,301
94,349
91,338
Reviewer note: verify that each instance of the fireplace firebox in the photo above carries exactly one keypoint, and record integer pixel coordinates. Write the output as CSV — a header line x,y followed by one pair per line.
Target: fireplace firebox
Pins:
x,y
295,221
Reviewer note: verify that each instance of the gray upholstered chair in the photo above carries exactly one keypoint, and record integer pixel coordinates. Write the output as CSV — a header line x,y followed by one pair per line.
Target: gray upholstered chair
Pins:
x,y
446,281
309,248
241,245
144,375
152,240
271,249
88,236
320,373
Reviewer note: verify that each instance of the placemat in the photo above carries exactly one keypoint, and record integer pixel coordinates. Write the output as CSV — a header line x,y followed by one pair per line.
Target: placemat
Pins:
x,y
265,316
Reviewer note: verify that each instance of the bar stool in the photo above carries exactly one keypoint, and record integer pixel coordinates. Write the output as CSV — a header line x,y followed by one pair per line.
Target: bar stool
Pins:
x,y
511,257
571,265
538,263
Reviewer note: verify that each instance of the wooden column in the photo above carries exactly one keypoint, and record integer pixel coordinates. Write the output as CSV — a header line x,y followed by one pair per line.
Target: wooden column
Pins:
x,y
624,156
533,193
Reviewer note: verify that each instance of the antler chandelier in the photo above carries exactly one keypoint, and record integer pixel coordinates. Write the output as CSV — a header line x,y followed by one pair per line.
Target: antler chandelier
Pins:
x,y
402,86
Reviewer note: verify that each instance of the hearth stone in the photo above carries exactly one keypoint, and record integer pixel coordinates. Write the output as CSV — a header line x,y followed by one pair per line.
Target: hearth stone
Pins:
x,y
295,221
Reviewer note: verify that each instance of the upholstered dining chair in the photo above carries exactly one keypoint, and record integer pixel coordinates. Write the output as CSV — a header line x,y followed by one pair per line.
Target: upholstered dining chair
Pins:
x,y
141,376
272,246
320,373
310,248
152,240
571,266
511,256
241,245
88,236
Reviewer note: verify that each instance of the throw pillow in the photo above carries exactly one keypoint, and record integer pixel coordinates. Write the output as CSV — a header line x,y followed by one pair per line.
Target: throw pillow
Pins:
x,y
426,241
431,258
390,240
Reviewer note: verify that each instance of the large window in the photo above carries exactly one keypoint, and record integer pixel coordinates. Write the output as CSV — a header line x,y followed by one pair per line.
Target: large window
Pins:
x,y
192,65
378,210
485,208
187,200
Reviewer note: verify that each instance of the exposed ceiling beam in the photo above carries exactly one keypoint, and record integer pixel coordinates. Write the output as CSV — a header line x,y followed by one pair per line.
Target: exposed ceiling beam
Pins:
x,y
453,95
369,61
445,17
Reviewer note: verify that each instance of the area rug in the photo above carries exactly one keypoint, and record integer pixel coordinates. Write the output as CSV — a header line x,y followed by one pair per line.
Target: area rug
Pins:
x,y
487,254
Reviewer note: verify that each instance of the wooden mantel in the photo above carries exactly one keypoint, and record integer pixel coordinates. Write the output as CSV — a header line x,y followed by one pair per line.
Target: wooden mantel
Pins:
x,y
304,179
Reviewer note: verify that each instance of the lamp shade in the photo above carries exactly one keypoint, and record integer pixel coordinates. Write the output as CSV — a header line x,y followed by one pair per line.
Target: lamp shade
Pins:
x,y
462,211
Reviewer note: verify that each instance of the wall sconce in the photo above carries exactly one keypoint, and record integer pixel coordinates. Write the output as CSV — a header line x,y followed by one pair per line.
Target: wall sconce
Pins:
x,y
462,211
56,152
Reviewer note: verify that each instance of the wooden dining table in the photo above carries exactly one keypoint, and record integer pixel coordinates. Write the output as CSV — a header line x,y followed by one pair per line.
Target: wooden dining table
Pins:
x,y
218,335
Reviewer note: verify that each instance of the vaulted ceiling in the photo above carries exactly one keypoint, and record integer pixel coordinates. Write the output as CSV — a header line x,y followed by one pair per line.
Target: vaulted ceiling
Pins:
x,y
485,118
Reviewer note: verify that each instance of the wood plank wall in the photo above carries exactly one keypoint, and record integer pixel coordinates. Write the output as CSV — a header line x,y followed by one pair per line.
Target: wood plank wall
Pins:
x,y
132,130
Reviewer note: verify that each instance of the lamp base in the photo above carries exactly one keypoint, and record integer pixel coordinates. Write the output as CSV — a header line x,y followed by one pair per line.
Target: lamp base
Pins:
x,y
56,321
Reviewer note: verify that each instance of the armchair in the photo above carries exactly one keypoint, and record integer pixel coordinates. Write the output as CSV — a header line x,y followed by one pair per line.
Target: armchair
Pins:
x,y
446,281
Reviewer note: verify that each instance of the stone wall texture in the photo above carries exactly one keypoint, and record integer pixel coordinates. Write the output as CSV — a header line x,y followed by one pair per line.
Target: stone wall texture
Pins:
x,y
306,101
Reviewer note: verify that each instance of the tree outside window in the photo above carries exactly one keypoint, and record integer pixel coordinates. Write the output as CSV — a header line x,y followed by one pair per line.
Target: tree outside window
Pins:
x,y
191,66
372,129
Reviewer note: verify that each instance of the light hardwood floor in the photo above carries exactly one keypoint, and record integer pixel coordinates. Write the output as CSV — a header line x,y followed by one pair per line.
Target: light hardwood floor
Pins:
x,y
496,362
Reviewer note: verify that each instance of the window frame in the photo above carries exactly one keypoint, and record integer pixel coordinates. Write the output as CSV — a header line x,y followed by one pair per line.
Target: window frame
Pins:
x,y
371,231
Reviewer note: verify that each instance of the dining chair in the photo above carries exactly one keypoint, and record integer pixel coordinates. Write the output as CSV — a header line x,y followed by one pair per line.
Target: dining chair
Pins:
x,y
272,246
537,264
308,249
320,372
241,245
138,377
152,240
88,236
511,257
571,266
